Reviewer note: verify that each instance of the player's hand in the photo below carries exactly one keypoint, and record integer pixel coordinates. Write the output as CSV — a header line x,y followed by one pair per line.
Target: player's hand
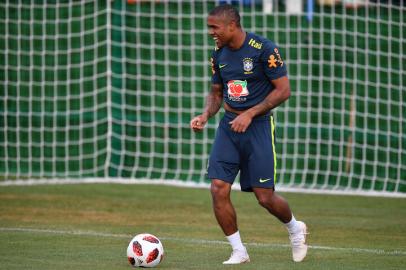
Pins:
x,y
198,123
241,123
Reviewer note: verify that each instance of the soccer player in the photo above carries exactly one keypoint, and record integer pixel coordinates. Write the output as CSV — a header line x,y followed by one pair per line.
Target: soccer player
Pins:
x,y
250,78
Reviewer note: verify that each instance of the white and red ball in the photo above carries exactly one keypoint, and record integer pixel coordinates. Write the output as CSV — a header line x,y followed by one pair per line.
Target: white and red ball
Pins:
x,y
145,250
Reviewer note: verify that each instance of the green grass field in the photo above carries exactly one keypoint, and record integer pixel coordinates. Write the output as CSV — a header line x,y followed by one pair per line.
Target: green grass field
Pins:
x,y
88,226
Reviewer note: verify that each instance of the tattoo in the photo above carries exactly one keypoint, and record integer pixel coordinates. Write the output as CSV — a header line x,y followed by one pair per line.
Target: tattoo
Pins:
x,y
214,101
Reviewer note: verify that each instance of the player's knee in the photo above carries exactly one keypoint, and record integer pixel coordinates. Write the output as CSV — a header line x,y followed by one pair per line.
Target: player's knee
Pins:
x,y
265,200
219,190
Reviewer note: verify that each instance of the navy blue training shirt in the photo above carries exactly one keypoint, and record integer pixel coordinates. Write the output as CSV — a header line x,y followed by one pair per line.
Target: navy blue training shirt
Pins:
x,y
246,73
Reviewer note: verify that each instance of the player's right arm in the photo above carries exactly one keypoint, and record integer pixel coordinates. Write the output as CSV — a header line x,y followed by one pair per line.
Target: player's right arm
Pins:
x,y
213,105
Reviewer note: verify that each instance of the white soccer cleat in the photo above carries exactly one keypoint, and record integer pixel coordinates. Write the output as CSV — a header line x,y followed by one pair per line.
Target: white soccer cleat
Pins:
x,y
298,242
238,257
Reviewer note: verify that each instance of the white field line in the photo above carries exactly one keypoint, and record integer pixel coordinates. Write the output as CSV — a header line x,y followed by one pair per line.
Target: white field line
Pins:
x,y
203,241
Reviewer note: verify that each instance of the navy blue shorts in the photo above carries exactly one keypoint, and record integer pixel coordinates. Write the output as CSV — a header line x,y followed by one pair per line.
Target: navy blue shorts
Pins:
x,y
251,153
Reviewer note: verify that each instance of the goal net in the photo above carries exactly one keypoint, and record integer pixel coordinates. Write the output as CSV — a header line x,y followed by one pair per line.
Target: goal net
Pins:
x,y
53,107
106,90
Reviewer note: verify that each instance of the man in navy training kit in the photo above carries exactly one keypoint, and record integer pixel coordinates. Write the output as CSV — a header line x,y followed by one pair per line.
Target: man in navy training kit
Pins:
x,y
250,76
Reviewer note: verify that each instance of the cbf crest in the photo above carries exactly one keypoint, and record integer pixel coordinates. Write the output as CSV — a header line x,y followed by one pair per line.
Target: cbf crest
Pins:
x,y
248,65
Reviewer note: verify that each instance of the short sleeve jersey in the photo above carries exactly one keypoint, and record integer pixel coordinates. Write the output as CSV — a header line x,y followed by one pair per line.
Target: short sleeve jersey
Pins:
x,y
246,73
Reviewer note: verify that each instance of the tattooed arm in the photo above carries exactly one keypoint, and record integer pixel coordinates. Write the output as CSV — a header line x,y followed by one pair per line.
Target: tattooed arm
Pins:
x,y
213,104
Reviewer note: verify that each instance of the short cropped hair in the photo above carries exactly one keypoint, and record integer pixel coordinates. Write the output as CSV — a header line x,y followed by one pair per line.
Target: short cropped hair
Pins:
x,y
227,11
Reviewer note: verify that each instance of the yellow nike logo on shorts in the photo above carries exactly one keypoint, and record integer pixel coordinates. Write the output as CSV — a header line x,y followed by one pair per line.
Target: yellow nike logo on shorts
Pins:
x,y
264,180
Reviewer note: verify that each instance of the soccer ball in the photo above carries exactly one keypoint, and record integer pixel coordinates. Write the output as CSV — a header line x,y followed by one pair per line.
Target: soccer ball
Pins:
x,y
145,250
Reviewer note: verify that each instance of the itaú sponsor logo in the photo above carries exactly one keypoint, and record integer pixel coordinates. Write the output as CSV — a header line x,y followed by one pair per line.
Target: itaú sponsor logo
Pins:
x,y
237,90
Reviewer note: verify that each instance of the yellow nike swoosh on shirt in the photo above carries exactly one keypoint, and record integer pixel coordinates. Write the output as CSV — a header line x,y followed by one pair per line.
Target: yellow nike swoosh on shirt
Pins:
x,y
221,66
264,180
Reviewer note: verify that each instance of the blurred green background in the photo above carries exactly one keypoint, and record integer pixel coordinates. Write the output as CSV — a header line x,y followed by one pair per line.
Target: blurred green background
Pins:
x,y
63,116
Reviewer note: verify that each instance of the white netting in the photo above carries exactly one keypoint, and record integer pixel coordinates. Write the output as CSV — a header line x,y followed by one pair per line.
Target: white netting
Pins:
x,y
53,105
107,89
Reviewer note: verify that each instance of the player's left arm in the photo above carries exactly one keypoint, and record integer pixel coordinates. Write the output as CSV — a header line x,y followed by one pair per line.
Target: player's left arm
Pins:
x,y
280,93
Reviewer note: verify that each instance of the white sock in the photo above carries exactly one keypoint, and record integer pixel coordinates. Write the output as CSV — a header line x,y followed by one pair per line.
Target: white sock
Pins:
x,y
292,225
235,241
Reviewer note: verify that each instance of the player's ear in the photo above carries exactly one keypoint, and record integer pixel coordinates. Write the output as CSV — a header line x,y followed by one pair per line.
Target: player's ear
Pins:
x,y
232,25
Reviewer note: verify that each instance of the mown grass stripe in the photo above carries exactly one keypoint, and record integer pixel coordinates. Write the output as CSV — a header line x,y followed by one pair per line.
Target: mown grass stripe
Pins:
x,y
204,241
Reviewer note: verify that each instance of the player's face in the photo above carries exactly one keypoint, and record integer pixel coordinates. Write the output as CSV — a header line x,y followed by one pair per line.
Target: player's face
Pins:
x,y
220,29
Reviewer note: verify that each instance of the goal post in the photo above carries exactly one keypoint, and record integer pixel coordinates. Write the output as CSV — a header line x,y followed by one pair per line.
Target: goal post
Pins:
x,y
106,90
